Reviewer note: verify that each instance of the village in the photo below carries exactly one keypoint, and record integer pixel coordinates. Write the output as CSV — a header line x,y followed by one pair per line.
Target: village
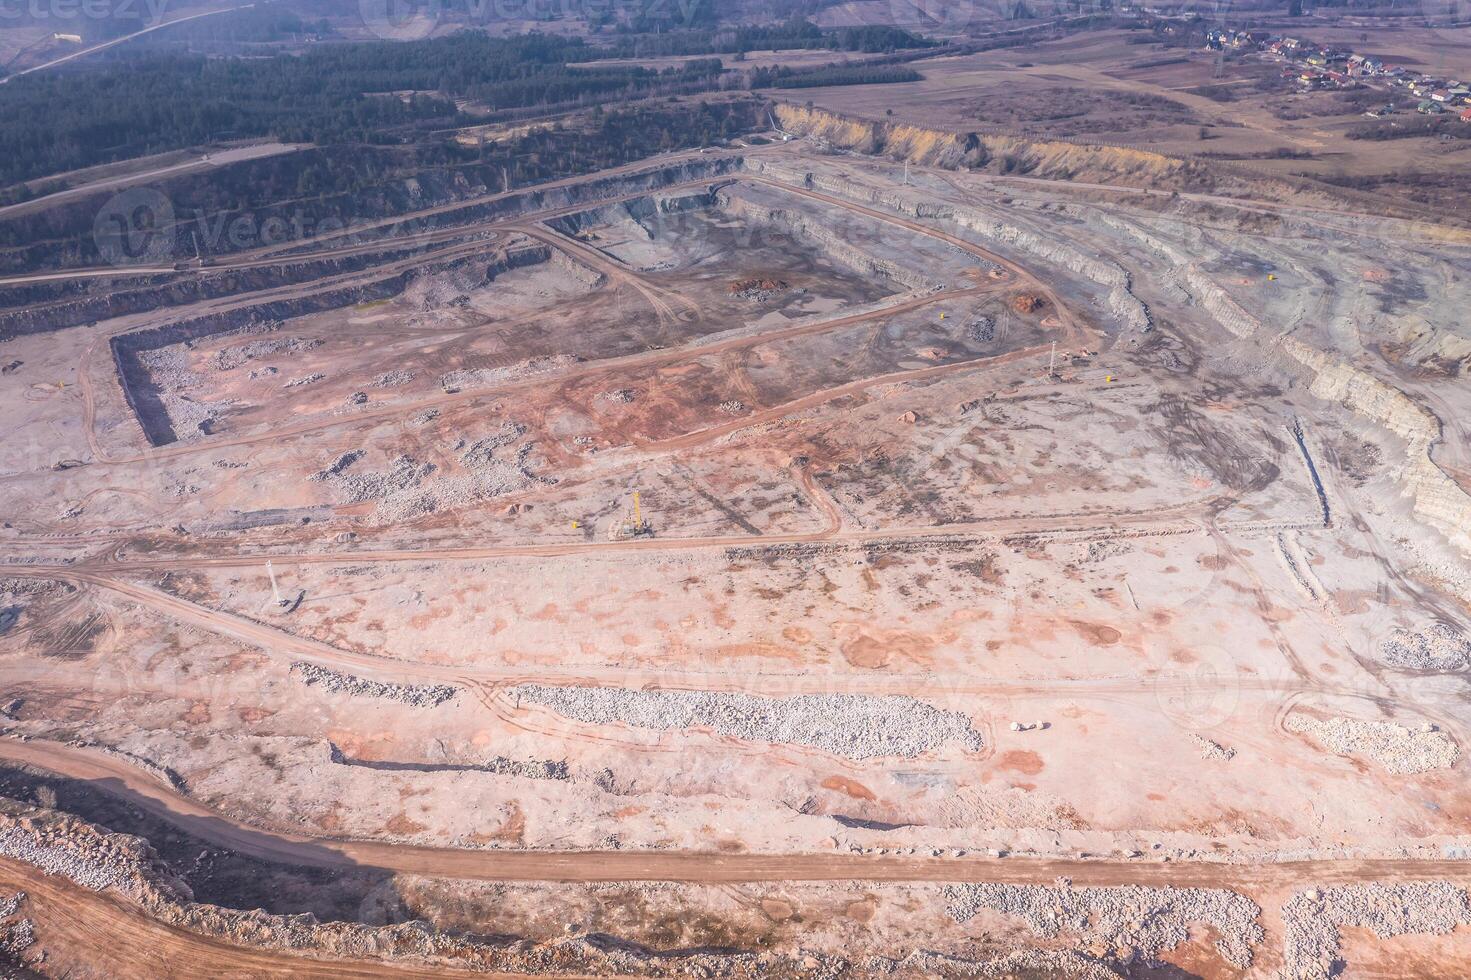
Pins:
x,y
1316,66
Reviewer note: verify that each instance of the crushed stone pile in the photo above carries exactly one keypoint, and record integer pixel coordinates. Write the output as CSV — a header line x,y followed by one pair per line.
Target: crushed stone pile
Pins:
x,y
58,845
1211,749
493,466
233,357
1313,917
309,379
405,473
1392,747
1053,964
170,376
554,769
981,329
392,379
853,726
17,934
1439,646
128,869
418,695
338,465
1131,919
468,378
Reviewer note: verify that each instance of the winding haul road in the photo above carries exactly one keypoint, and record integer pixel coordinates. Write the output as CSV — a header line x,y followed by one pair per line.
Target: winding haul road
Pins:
x,y
127,782
125,932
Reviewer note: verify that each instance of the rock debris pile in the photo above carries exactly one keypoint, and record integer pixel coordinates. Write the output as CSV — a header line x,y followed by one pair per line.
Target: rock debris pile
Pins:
x,y
59,845
1211,749
128,868
1439,646
852,726
1392,747
468,378
1312,919
1130,920
392,379
17,934
233,357
418,695
491,468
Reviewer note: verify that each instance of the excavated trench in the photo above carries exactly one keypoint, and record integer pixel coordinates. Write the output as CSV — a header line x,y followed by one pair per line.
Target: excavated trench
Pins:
x,y
144,397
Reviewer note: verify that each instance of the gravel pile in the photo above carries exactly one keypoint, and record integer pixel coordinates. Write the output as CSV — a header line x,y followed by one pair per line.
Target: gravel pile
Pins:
x,y
1211,749
47,844
1053,964
169,375
1131,920
1439,646
492,468
853,726
309,379
338,465
233,357
16,934
128,868
393,379
1312,919
466,378
417,695
981,329
1392,747
406,473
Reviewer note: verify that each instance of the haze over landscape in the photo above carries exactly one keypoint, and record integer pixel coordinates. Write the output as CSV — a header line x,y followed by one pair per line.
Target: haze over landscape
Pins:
x,y
735,488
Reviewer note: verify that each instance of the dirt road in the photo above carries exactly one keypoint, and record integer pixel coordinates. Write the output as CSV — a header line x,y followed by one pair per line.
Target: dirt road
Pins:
x,y
123,943
122,40
123,780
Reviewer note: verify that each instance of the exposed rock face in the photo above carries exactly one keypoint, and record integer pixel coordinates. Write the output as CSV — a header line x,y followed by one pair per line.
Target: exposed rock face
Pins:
x,y
830,242
1437,498
1132,314
940,148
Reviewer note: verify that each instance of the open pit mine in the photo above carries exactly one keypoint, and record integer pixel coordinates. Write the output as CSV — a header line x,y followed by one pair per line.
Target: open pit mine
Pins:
x,y
820,558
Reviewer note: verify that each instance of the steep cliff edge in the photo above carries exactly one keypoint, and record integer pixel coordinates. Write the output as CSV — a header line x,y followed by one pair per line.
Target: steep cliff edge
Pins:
x,y
994,154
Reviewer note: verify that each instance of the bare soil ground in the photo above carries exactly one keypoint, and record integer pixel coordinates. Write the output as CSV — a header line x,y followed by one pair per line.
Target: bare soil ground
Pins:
x,y
727,580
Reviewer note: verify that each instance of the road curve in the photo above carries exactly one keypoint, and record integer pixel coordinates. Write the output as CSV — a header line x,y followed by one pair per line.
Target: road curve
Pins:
x,y
124,943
